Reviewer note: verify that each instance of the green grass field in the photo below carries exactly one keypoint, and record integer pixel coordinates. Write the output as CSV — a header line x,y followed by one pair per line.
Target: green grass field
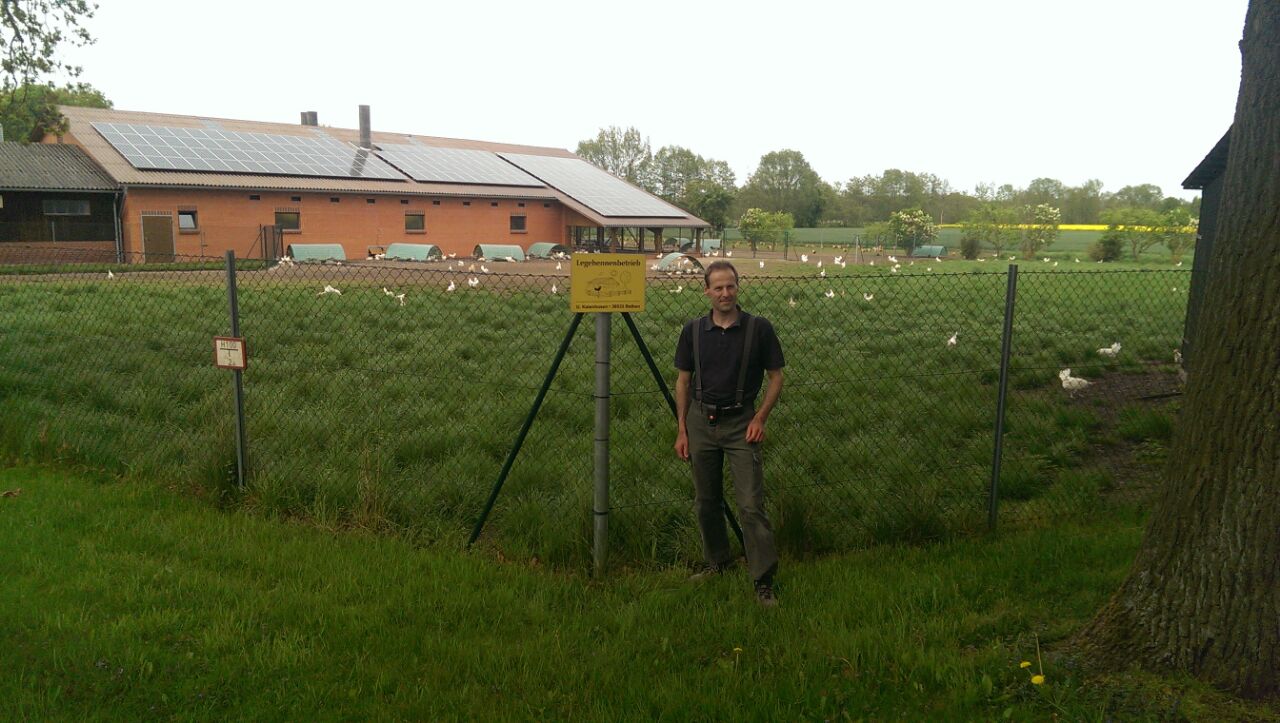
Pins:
x,y
364,413
1070,244
127,601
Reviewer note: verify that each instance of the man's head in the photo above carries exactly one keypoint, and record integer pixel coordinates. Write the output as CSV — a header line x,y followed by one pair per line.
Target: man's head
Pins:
x,y
721,282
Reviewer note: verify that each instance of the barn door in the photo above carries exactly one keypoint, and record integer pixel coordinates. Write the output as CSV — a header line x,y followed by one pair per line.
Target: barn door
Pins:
x,y
157,238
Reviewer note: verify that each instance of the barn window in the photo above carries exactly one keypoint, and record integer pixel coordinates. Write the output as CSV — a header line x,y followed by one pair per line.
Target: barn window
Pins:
x,y
65,207
415,222
518,224
289,220
187,220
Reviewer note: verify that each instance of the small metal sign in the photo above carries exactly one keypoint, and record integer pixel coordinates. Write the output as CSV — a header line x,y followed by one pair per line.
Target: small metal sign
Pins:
x,y
606,282
229,353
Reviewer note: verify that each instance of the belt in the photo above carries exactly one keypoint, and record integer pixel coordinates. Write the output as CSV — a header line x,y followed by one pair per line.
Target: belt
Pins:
x,y
715,411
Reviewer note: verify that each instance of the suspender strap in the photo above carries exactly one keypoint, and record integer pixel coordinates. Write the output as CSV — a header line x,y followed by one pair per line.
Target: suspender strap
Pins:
x,y
746,358
742,370
697,360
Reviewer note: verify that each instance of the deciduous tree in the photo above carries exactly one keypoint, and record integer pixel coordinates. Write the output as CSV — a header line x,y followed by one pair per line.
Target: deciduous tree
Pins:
x,y
32,35
912,228
1040,228
624,153
1201,595
785,182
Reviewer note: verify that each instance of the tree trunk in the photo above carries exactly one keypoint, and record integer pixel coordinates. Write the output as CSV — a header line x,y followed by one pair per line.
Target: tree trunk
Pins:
x,y
1202,595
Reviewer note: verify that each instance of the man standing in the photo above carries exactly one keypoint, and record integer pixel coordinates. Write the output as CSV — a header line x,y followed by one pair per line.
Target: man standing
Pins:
x,y
726,355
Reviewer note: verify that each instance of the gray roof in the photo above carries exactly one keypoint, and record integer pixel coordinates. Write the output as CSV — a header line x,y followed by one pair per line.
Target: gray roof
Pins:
x,y
1212,166
81,133
50,167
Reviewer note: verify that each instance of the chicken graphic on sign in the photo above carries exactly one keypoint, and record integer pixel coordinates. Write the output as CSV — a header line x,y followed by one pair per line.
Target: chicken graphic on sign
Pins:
x,y
615,284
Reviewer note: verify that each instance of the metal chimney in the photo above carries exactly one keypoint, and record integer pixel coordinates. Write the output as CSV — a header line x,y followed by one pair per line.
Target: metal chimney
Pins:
x,y
310,118
366,133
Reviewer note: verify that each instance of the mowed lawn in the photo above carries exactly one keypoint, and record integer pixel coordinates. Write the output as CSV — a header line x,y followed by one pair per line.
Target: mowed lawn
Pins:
x,y
127,601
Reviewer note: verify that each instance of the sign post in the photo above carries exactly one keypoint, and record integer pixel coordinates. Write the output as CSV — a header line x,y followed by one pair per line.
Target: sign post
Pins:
x,y
604,284
229,353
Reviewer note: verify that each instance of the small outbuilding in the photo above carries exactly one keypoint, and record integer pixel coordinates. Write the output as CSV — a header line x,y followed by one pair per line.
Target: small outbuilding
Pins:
x,y
1206,178
499,252
413,252
546,250
316,252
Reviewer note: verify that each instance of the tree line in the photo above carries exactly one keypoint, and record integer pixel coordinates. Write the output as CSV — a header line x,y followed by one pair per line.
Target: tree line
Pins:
x,y
784,182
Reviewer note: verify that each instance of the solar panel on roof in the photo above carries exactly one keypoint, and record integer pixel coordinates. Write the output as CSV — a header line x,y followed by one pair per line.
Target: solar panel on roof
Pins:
x,y
454,165
600,191
212,149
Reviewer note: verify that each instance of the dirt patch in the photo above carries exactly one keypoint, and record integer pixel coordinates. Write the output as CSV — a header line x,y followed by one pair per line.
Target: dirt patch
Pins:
x,y
1135,466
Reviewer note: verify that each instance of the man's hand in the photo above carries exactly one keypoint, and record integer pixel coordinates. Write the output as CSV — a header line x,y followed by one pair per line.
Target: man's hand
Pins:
x,y
755,430
682,444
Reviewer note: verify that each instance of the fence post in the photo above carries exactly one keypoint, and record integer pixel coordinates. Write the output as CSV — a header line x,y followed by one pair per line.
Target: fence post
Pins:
x,y
600,505
993,495
242,453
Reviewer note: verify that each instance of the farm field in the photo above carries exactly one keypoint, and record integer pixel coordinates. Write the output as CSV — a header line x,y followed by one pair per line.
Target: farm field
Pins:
x,y
1070,243
363,412
126,600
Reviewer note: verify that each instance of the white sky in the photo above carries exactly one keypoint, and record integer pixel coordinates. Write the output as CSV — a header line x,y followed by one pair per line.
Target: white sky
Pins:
x,y
1003,91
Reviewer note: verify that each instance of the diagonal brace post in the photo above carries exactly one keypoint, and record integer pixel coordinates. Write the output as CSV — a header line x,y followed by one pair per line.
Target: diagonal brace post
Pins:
x,y
524,429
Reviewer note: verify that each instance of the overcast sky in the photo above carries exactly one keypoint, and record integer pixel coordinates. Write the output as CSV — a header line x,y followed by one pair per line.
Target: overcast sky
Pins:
x,y
1002,91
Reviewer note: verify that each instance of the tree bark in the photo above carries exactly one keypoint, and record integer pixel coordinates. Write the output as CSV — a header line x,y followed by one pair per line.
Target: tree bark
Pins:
x,y
1202,594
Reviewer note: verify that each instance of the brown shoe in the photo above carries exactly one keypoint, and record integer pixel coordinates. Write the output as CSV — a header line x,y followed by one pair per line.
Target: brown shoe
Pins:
x,y
765,595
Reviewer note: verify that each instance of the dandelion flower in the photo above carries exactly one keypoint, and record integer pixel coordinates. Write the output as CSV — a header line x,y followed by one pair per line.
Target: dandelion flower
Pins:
x,y
1037,680
1025,664
737,650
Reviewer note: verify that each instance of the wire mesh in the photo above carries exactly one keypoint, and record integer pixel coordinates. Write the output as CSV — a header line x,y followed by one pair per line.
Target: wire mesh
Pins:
x,y
388,394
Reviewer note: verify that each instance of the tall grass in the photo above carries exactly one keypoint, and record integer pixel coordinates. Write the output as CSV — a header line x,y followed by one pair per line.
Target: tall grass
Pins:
x,y
127,602
364,412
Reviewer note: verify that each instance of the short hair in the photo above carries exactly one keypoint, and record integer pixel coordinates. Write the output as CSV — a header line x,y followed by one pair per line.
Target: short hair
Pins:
x,y
717,265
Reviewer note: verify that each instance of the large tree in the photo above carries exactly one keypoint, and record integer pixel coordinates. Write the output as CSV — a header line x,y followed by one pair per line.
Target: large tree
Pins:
x,y
34,111
32,35
624,153
784,181
1201,595
674,168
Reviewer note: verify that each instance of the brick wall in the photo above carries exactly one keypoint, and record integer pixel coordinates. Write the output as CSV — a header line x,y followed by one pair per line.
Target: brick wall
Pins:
x,y
230,220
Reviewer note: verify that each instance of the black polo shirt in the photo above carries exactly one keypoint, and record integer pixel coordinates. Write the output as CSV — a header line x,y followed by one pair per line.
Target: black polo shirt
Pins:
x,y
721,352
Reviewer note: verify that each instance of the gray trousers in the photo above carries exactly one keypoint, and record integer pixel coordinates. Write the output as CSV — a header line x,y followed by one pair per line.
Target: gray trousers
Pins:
x,y
708,446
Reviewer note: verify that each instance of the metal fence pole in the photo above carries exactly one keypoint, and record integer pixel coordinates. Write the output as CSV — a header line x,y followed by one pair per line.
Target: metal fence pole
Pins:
x,y
242,447
600,506
993,495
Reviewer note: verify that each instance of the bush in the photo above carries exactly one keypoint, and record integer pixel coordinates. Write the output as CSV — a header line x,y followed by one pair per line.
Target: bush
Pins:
x,y
969,247
1108,247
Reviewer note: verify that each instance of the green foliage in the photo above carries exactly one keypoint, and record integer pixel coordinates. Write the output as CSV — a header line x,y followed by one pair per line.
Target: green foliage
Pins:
x,y
674,169
1109,247
1140,228
785,182
970,247
624,153
992,226
1178,232
32,35
32,111
912,228
708,201
32,32
759,226
1041,229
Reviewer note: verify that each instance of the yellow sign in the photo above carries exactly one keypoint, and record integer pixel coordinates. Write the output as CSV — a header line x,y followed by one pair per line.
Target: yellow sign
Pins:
x,y
606,282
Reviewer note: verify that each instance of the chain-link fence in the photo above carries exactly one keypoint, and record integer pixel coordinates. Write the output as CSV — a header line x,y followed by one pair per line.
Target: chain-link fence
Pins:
x,y
388,395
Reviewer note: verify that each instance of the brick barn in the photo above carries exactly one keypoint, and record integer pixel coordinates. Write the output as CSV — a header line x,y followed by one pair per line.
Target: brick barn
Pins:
x,y
194,186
